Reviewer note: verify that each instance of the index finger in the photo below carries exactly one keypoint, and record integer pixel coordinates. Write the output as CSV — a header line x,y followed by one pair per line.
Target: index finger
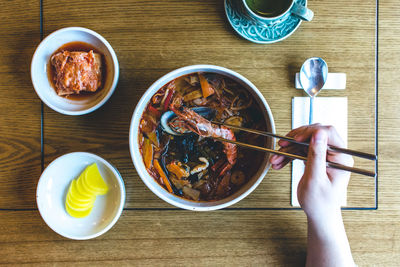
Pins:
x,y
294,132
334,138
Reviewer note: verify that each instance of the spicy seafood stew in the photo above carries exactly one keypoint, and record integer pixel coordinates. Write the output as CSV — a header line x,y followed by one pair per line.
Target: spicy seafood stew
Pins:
x,y
193,165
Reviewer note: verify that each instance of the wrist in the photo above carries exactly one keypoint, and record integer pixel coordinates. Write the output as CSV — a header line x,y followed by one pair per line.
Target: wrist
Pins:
x,y
324,214
326,224
327,241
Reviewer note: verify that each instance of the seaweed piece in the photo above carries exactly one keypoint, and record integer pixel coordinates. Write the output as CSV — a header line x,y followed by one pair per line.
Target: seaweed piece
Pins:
x,y
186,147
193,178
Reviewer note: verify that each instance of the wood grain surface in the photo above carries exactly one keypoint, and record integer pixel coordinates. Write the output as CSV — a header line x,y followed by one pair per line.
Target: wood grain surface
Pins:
x,y
184,238
150,39
20,164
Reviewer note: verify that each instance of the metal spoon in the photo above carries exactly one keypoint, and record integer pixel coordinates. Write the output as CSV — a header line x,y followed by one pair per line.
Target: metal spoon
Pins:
x,y
313,75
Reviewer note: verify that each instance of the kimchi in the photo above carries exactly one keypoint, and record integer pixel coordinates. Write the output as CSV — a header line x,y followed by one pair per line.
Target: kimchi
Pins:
x,y
75,72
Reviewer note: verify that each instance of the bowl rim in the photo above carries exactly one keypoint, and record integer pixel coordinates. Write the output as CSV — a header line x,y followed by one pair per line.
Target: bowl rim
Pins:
x,y
121,186
114,60
136,156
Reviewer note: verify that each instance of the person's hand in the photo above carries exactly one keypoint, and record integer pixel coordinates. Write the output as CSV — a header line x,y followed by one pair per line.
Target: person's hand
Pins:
x,y
320,192
320,189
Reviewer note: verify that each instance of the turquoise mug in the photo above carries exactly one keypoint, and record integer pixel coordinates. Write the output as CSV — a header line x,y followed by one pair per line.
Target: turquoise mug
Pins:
x,y
276,11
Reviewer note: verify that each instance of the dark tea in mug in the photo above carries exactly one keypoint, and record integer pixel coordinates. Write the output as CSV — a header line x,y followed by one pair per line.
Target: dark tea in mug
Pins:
x,y
269,8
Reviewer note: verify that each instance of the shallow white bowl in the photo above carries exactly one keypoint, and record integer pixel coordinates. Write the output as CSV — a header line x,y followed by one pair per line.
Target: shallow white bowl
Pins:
x,y
137,157
53,187
41,82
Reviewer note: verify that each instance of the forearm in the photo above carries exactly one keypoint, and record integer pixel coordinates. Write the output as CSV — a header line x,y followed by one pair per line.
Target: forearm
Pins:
x,y
327,242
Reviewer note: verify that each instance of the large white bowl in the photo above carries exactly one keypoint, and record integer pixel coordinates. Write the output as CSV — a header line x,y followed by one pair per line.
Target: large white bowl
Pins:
x,y
52,190
41,82
137,157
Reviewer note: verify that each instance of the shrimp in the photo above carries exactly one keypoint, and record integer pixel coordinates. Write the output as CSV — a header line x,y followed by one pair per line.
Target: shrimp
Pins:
x,y
203,127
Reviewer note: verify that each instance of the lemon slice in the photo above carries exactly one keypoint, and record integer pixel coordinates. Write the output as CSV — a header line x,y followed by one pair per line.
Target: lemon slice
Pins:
x,y
94,181
77,213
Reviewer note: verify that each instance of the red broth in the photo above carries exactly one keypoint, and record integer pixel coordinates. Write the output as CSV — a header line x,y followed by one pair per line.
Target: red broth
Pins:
x,y
197,167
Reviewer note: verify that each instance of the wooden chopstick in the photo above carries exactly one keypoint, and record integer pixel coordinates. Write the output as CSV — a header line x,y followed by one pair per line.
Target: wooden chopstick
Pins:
x,y
290,139
294,156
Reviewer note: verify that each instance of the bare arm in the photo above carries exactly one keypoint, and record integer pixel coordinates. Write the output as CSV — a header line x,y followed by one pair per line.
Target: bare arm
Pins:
x,y
320,191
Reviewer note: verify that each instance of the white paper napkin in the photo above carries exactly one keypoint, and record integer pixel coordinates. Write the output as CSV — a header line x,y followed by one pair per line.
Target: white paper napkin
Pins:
x,y
327,111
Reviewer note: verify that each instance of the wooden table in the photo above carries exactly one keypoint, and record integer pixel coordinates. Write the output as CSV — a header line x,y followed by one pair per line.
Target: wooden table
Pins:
x,y
152,38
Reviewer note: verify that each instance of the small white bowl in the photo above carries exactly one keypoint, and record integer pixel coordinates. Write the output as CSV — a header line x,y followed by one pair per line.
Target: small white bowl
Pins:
x,y
53,187
41,82
149,180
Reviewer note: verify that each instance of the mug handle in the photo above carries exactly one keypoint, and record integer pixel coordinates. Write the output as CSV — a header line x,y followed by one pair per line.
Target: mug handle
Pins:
x,y
302,12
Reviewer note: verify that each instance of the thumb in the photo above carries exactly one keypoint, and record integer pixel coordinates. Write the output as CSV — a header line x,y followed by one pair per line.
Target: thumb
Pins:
x,y
316,159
